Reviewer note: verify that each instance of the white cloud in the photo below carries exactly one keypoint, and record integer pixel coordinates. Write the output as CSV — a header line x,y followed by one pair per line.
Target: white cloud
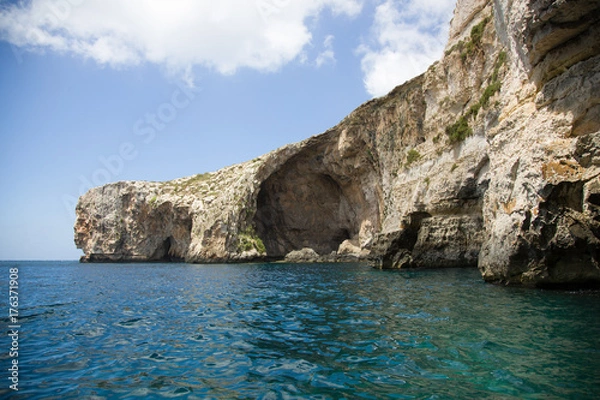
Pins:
x,y
408,36
327,56
351,8
224,35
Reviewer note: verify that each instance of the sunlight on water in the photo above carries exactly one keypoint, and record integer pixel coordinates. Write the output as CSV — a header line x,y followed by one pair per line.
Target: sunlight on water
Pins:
x,y
276,331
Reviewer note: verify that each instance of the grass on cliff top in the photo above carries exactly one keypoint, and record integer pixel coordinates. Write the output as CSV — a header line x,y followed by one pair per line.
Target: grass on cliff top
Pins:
x,y
199,178
191,182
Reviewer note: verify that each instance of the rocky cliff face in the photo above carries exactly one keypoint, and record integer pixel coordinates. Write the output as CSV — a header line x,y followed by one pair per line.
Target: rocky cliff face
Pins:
x,y
490,158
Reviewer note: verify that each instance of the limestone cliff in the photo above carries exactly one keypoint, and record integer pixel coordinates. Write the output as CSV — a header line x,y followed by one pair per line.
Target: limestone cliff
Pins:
x,y
490,158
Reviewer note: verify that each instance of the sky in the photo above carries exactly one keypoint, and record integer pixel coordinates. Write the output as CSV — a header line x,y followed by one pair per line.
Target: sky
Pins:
x,y
99,91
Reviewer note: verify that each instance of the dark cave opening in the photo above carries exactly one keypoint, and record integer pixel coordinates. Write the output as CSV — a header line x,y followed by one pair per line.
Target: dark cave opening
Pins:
x,y
165,252
297,208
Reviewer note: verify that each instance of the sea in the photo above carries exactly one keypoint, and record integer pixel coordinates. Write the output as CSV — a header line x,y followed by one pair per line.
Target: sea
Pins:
x,y
289,331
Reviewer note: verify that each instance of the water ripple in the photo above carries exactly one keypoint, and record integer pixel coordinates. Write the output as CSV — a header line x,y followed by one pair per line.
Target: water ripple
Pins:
x,y
298,331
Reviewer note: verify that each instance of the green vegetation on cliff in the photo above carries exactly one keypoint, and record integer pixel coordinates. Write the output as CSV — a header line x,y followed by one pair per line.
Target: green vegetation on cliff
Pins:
x,y
460,130
471,46
248,240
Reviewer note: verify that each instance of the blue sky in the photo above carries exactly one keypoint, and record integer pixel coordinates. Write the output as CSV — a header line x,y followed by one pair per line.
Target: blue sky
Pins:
x,y
101,91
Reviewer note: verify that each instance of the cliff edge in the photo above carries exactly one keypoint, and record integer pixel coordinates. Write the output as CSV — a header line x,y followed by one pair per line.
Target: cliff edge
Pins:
x,y
491,158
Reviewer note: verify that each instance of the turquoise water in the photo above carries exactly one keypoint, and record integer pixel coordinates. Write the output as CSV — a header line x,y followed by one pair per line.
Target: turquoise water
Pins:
x,y
294,331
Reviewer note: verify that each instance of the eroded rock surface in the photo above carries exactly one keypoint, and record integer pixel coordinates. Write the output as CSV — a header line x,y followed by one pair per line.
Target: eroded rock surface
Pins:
x,y
491,159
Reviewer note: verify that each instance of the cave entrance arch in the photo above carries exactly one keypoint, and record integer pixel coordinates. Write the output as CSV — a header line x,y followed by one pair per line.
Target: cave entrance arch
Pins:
x,y
298,209
327,193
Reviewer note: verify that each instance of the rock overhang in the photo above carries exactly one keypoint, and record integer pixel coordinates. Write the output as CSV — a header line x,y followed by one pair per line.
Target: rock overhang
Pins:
x,y
317,199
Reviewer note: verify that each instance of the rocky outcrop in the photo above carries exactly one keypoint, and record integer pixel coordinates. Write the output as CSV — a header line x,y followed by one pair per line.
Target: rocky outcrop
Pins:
x,y
302,256
491,159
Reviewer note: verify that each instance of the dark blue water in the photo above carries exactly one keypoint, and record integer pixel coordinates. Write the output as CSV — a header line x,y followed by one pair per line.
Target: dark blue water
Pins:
x,y
294,331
